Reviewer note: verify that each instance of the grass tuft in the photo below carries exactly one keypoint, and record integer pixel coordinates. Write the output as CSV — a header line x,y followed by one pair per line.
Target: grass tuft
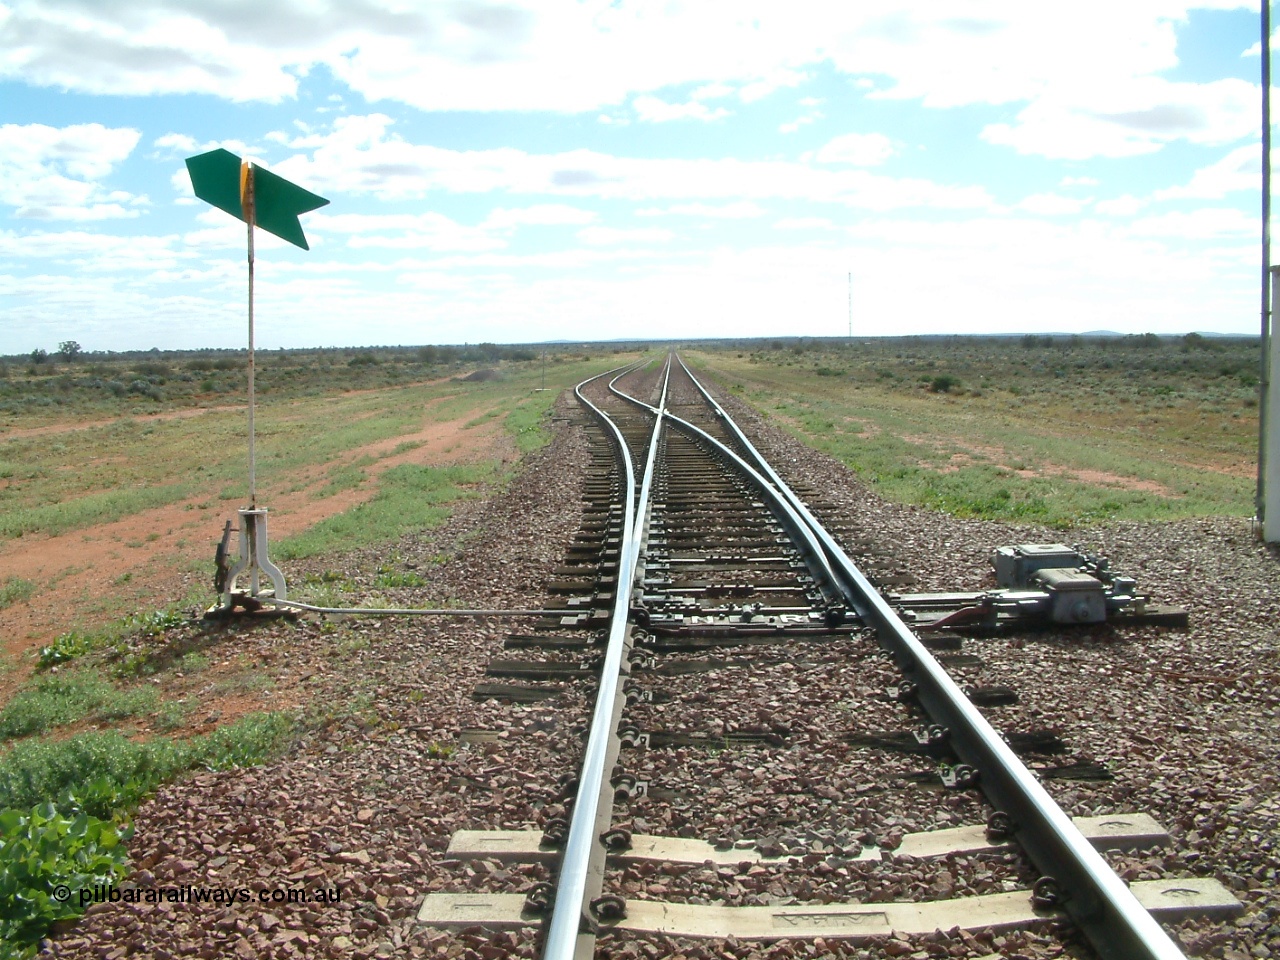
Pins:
x,y
15,590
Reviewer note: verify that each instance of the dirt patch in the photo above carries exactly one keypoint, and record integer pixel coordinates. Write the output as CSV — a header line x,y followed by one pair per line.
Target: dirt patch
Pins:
x,y
152,557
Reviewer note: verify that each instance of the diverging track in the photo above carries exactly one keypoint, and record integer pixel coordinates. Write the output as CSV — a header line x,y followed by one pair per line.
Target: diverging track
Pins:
x,y
772,752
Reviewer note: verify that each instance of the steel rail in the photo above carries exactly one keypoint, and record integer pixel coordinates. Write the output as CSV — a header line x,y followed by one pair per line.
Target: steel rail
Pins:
x,y
809,546
1095,898
582,845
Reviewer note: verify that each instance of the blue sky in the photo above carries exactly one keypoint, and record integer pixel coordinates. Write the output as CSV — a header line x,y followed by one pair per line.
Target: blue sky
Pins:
x,y
584,169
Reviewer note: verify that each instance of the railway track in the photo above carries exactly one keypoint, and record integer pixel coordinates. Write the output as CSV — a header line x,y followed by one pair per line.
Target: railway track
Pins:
x,y
772,753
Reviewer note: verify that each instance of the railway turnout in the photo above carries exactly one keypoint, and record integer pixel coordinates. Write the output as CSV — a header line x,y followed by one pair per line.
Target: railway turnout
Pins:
x,y
722,791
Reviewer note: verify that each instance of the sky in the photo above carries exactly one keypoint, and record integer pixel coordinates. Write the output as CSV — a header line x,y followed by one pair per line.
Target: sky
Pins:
x,y
537,170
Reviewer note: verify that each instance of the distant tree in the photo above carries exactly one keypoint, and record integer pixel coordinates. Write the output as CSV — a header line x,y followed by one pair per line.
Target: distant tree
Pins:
x,y
69,350
39,355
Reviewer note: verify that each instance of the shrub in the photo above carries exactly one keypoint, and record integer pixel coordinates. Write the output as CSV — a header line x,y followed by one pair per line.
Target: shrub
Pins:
x,y
146,389
42,850
68,646
943,384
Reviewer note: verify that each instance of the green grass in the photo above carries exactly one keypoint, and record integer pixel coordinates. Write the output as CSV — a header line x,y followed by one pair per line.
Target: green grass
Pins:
x,y
396,579
90,510
45,849
527,421
342,478
244,681
35,770
409,498
482,419
15,590
55,700
172,715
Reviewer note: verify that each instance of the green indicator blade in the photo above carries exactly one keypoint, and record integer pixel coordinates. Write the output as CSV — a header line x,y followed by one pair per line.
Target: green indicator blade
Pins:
x,y
215,177
278,204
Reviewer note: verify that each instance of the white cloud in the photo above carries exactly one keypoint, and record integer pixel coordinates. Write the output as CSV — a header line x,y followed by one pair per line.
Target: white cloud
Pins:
x,y
528,55
227,233
858,149
1255,50
1051,204
539,236
362,156
177,144
1205,224
742,210
711,91
1241,169
804,223
95,49
796,124
1130,118
774,80
811,115
1125,206
80,247
409,231
608,236
53,173
652,110
540,214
